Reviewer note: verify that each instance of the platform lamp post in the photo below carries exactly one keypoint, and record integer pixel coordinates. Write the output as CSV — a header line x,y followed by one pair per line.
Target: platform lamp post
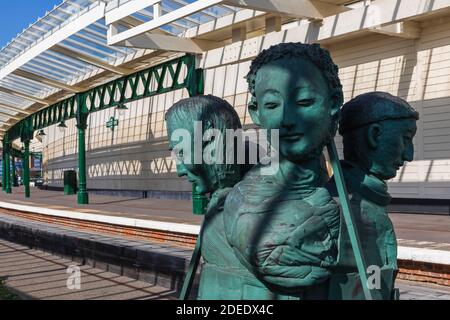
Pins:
x,y
26,134
82,116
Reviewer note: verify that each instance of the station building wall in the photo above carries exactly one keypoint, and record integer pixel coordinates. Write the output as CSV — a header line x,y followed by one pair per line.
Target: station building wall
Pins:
x,y
135,156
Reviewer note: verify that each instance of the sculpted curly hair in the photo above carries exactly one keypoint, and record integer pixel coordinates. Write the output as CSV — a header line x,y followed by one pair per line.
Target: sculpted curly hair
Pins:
x,y
312,52
319,57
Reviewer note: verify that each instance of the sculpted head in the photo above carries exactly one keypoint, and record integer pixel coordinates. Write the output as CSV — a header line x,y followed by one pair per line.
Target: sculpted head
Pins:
x,y
214,114
295,88
378,130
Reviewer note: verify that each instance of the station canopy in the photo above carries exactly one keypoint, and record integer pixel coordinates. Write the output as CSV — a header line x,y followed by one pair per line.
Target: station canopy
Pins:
x,y
81,44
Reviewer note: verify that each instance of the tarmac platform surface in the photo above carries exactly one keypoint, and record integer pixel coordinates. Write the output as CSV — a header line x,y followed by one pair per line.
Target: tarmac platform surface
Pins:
x,y
37,275
177,211
154,266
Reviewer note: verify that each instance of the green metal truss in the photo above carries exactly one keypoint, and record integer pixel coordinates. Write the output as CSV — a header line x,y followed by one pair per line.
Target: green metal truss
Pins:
x,y
179,73
159,79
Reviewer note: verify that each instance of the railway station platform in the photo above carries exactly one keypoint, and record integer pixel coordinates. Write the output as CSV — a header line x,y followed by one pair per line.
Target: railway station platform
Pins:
x,y
152,239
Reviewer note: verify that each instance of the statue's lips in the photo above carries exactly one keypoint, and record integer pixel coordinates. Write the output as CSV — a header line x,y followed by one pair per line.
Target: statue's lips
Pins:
x,y
291,137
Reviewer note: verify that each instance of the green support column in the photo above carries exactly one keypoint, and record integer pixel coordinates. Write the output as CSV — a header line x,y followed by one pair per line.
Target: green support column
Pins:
x,y
82,114
3,168
26,167
15,182
8,171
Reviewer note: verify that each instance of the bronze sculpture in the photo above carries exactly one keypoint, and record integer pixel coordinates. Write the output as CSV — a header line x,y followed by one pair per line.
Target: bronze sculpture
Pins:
x,y
283,236
377,129
284,227
215,180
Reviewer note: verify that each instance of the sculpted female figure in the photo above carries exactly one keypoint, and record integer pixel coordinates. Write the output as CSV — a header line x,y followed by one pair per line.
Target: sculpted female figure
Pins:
x,y
284,227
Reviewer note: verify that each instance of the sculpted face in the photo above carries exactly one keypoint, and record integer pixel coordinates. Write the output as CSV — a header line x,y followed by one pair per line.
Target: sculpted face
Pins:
x,y
392,144
201,174
293,96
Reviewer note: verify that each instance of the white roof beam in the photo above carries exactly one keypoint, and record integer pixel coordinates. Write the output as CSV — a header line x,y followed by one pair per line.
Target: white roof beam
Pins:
x,y
26,96
98,49
91,60
46,69
44,31
208,14
83,21
99,43
14,109
313,9
21,85
403,29
10,116
60,64
132,22
95,33
195,23
169,43
21,41
64,60
335,28
50,82
156,23
128,9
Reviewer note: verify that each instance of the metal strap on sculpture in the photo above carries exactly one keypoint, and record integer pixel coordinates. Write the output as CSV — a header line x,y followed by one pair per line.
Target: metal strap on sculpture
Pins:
x,y
349,218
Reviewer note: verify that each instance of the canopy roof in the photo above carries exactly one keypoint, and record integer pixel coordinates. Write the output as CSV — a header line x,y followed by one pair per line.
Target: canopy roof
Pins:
x,y
81,44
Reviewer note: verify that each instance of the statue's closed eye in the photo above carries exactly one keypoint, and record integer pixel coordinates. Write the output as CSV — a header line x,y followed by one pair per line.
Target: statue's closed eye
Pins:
x,y
306,102
270,105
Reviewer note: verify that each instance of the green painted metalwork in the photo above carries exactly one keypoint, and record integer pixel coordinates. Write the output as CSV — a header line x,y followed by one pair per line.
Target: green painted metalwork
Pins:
x,y
179,73
26,135
199,202
3,167
172,75
7,172
82,117
15,181
349,218
16,153
192,270
26,167
112,123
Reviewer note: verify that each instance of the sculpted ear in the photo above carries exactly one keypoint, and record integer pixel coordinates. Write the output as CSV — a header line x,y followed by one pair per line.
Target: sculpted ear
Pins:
x,y
254,114
336,104
373,135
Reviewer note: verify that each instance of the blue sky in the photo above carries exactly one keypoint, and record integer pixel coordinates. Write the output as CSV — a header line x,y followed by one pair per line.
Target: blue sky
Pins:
x,y
15,15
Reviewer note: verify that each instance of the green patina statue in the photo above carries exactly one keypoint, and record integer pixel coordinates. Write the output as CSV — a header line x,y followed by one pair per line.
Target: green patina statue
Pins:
x,y
282,235
202,114
215,179
377,130
284,227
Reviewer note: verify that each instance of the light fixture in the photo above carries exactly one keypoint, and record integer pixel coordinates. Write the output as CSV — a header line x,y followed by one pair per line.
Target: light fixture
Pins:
x,y
62,126
41,133
121,108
